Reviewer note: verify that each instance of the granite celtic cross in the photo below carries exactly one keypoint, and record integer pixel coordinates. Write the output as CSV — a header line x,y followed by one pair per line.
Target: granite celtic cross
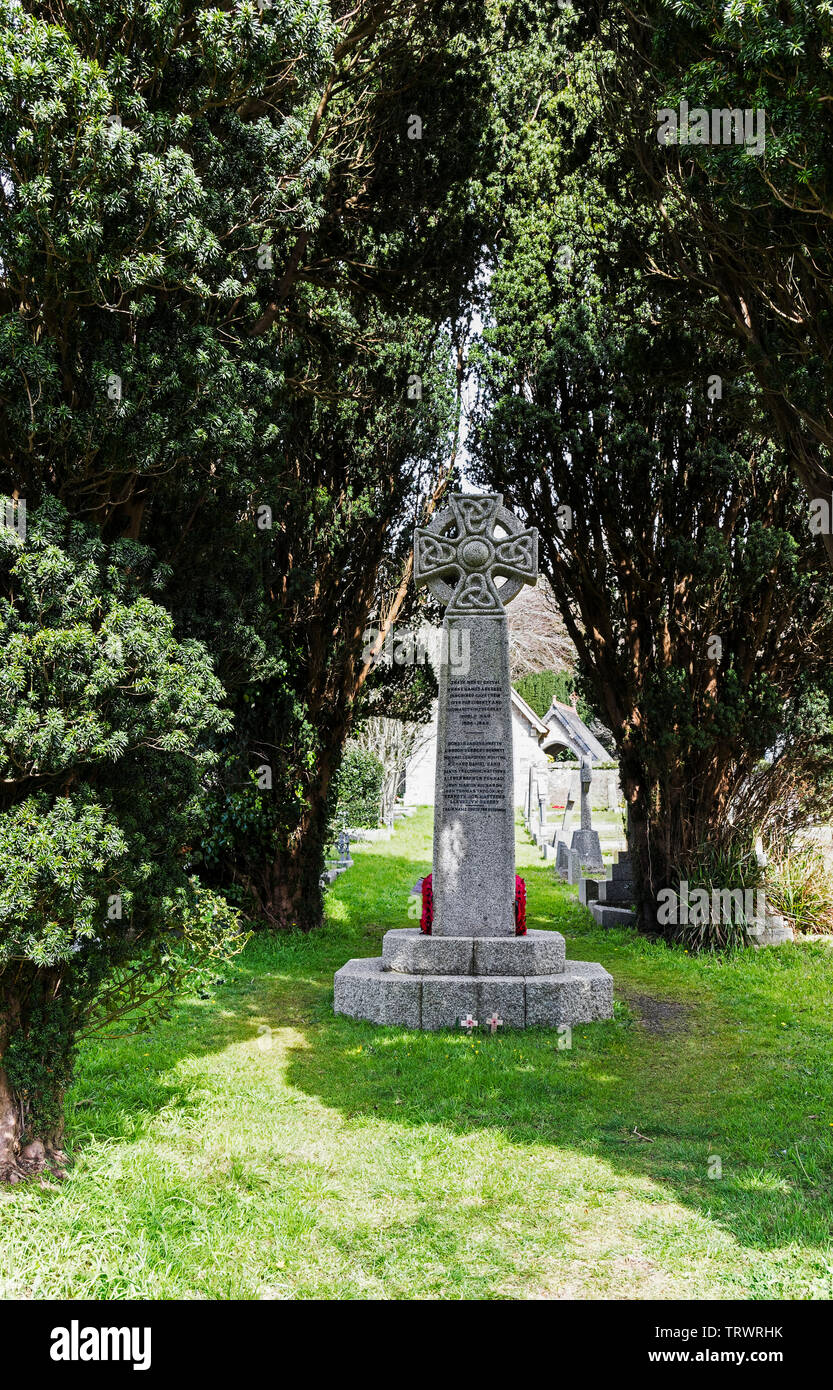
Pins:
x,y
459,555
474,556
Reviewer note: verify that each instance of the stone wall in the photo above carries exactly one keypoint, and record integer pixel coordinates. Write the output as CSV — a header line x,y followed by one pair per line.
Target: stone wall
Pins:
x,y
605,791
527,753
420,769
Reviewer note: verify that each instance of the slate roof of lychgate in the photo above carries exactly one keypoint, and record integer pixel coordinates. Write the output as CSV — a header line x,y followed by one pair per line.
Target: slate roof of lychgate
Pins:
x,y
566,726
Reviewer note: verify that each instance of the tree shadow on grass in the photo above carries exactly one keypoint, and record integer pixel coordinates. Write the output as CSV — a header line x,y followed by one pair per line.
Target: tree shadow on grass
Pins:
x,y
124,1082
123,1078
642,1096
648,1097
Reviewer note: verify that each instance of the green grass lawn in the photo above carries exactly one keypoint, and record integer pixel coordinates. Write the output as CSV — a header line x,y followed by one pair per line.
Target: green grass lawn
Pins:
x,y
256,1146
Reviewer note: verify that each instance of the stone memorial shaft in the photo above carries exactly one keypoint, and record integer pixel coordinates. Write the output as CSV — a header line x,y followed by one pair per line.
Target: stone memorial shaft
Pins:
x,y
459,555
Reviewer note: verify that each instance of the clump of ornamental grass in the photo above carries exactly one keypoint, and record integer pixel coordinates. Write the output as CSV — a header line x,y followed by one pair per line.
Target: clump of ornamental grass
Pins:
x,y
800,887
732,879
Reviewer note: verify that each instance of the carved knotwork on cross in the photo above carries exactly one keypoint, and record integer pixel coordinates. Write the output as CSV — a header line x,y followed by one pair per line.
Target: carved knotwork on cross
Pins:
x,y
460,569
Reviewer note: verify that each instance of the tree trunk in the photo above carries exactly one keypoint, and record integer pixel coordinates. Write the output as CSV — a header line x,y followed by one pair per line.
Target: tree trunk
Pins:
x,y
645,866
33,1072
671,817
289,894
9,1129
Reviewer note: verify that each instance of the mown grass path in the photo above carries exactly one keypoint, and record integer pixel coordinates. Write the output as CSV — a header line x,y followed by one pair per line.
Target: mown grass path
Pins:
x,y
256,1146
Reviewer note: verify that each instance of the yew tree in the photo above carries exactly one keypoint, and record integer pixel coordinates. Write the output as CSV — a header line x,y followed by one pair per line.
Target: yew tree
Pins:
x,y
104,744
747,229
226,244
673,534
234,237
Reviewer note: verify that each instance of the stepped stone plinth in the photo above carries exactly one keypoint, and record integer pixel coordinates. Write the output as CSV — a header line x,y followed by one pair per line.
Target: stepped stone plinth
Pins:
x,y
615,892
607,916
525,980
408,951
588,889
621,871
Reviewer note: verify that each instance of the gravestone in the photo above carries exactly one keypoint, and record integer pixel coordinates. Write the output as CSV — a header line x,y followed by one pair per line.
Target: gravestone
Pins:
x,y
345,858
541,833
529,795
549,848
559,839
586,840
473,965
561,858
573,867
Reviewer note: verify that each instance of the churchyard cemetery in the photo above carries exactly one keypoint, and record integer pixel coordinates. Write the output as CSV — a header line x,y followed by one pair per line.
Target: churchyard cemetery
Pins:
x,y
416,671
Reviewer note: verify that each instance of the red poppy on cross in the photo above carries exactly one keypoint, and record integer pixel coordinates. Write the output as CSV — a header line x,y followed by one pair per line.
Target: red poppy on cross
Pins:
x,y
468,1022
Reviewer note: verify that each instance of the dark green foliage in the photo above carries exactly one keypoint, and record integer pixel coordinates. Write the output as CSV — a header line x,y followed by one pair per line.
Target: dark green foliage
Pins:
x,y
214,306
682,522
538,688
541,688
358,789
38,1063
100,748
748,231
103,750
140,178
713,869
221,259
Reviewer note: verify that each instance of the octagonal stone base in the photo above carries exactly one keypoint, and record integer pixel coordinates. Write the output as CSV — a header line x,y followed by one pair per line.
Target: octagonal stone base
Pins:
x,y
579,993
